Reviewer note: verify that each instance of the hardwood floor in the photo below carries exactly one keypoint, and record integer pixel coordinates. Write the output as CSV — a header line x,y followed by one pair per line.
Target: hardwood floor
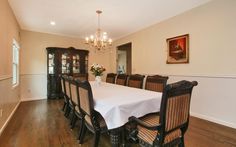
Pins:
x,y
42,124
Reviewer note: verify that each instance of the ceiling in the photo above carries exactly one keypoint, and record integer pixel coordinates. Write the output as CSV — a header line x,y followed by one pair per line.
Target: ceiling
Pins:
x,y
77,18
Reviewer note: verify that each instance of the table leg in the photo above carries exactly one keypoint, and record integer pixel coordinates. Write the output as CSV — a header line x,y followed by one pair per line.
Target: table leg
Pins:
x,y
115,137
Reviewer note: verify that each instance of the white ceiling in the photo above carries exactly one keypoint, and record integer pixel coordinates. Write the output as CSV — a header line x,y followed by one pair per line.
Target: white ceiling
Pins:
x,y
77,18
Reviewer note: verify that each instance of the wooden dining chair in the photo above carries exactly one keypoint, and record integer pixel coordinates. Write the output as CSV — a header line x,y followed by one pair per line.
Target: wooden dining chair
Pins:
x,y
156,83
91,120
169,126
135,81
63,91
68,95
121,79
76,113
111,77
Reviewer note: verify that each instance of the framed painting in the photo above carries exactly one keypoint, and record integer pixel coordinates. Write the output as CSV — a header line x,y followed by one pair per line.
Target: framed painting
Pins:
x,y
178,49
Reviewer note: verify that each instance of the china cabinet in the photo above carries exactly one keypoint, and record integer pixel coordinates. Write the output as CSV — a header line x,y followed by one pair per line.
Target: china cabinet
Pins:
x,y
64,61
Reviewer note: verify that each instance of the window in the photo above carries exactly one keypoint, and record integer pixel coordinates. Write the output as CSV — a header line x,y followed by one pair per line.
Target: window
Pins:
x,y
15,63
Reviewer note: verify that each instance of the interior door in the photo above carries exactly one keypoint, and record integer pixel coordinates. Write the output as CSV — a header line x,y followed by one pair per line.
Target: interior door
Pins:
x,y
124,58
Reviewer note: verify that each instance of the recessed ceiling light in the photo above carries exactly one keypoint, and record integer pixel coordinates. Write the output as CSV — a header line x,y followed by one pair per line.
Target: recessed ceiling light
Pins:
x,y
53,23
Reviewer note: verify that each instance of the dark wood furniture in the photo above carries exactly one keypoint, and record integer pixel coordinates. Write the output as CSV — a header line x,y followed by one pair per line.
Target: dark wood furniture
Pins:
x,y
121,79
111,77
156,83
91,120
64,61
63,89
135,81
164,128
76,113
69,105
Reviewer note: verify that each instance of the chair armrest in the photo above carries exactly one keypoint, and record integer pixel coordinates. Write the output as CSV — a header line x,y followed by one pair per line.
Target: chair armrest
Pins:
x,y
141,123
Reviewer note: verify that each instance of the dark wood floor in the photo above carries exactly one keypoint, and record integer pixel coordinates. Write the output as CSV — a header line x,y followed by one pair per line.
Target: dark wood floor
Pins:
x,y
42,124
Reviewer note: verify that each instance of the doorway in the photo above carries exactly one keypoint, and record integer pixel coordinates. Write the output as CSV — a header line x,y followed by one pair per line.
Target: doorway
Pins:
x,y
124,58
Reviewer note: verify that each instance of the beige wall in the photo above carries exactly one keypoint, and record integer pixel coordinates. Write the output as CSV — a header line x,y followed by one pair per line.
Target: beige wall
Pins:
x,y
212,33
9,29
34,60
212,56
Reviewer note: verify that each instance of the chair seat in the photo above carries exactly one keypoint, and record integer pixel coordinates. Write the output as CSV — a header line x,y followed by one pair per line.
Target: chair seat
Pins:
x,y
148,136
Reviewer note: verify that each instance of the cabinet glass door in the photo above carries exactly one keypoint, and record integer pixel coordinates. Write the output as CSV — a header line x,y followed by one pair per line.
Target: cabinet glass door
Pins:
x,y
65,64
76,64
86,64
51,64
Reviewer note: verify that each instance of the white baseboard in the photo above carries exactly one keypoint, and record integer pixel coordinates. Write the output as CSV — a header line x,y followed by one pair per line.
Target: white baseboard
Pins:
x,y
9,118
231,125
32,99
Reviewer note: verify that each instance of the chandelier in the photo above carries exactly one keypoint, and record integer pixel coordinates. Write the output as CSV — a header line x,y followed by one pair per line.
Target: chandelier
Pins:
x,y
100,40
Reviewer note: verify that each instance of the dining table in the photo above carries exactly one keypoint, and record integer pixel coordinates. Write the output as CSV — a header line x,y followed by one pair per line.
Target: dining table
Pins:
x,y
116,103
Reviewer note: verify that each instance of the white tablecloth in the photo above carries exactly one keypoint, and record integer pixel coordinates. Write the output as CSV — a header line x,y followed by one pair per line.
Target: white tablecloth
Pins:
x,y
117,103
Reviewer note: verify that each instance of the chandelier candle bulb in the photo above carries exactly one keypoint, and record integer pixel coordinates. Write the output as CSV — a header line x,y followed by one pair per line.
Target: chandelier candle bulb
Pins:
x,y
110,41
87,40
92,37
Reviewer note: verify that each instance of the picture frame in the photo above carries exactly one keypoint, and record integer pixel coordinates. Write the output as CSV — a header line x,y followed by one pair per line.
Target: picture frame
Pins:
x,y
178,49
